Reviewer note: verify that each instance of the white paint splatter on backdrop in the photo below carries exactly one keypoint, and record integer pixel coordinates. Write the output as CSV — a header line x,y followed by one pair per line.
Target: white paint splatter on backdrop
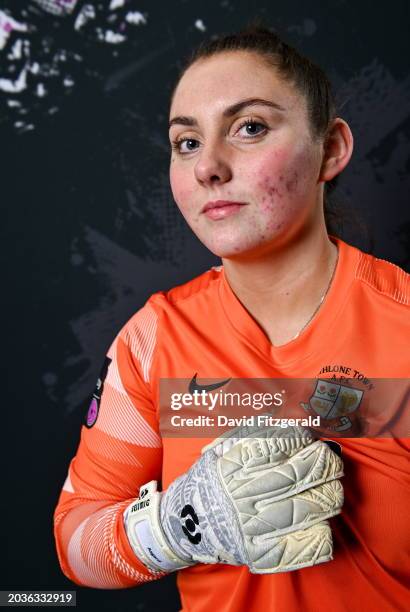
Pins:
x,y
68,82
16,52
7,26
60,8
113,38
41,90
86,14
23,127
135,18
199,24
115,4
16,86
38,54
34,68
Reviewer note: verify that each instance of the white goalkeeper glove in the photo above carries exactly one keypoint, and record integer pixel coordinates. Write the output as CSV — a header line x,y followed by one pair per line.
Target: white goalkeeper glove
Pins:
x,y
257,497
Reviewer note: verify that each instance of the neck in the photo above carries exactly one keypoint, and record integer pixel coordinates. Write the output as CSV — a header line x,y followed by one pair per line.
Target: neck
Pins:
x,y
283,289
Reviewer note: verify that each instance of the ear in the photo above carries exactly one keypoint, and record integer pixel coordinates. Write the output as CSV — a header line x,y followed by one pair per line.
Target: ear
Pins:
x,y
337,149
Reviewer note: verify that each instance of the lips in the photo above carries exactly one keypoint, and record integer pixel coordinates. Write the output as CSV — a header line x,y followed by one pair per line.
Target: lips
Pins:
x,y
221,209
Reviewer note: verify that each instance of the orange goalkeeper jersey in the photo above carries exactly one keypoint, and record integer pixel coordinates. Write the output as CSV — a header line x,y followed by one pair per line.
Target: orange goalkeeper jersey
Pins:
x,y
362,330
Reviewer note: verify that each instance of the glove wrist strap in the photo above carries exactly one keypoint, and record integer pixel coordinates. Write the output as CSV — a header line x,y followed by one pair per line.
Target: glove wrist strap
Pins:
x,y
143,528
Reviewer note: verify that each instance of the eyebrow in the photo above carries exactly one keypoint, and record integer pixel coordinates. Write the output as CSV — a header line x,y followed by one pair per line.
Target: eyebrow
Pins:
x,y
229,111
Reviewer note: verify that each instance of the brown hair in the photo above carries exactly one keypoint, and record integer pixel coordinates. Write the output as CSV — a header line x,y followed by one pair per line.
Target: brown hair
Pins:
x,y
308,78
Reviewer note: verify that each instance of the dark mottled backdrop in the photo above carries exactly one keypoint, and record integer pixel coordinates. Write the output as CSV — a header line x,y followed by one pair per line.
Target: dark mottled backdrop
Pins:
x,y
89,226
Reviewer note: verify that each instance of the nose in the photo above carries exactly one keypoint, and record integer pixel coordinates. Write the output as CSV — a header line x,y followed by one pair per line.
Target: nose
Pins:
x,y
213,166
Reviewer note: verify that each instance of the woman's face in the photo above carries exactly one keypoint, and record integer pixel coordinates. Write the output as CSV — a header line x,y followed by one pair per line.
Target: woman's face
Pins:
x,y
244,167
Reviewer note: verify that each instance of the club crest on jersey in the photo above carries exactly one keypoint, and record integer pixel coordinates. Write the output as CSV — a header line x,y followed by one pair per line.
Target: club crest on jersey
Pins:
x,y
335,404
94,407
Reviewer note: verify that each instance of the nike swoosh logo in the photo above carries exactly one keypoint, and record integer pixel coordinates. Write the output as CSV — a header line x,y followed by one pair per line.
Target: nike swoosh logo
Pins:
x,y
194,386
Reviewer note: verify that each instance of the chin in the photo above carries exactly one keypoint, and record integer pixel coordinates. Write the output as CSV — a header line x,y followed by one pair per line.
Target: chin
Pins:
x,y
229,250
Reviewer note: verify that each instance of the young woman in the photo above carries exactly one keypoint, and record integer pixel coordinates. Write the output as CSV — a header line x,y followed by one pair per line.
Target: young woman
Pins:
x,y
255,141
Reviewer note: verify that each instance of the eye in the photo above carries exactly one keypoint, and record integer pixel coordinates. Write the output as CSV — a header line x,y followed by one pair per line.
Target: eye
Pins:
x,y
191,145
253,128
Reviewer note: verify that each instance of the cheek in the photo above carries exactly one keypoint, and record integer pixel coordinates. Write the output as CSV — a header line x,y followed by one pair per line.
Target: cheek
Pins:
x,y
181,187
282,182
271,179
283,175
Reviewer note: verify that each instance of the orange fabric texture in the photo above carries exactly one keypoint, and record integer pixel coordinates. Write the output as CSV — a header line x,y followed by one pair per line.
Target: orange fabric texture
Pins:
x,y
201,327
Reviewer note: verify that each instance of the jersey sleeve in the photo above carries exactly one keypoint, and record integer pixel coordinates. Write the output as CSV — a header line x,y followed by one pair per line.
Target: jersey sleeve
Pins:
x,y
120,449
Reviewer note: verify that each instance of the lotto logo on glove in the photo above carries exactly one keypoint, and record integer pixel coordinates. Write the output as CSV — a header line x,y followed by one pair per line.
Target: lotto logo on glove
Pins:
x,y
256,497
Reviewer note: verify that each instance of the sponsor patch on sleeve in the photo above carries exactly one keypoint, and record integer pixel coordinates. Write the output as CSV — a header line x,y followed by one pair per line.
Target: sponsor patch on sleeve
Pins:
x,y
94,406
